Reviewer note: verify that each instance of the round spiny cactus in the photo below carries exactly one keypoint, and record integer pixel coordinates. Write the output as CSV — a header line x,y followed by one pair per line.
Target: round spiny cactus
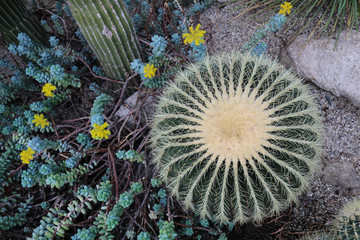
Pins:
x,y
236,138
347,223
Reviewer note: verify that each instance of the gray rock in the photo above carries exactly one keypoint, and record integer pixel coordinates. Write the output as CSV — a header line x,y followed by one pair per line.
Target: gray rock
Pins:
x,y
140,106
337,71
343,175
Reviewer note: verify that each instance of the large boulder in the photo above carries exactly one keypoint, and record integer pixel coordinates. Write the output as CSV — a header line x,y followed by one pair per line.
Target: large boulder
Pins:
x,y
335,70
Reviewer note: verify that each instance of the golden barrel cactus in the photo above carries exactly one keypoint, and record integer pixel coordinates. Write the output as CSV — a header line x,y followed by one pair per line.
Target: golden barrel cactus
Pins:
x,y
236,138
347,222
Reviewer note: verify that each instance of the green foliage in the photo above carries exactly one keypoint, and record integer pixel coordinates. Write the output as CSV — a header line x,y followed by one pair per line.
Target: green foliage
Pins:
x,y
98,109
50,172
236,138
84,140
222,237
106,222
126,199
46,228
7,157
86,234
340,14
143,236
8,204
57,221
162,193
104,191
167,231
136,187
155,182
204,222
276,22
168,22
60,179
130,155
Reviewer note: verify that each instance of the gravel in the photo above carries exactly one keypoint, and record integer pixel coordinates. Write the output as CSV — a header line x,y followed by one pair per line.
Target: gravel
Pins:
x,y
338,178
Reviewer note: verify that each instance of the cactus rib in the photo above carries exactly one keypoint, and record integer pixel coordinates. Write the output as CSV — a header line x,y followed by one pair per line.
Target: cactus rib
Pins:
x,y
236,138
15,18
108,28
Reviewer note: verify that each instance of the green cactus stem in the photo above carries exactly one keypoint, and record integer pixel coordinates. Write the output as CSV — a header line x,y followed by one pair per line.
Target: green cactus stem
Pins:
x,y
236,138
15,18
108,28
347,223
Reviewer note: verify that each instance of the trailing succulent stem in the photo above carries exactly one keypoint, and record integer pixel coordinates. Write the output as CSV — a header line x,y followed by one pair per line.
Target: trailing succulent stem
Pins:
x,y
236,138
15,19
108,28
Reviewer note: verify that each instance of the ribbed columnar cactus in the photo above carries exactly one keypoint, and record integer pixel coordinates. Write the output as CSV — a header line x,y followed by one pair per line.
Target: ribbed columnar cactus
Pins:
x,y
236,138
347,224
15,18
108,28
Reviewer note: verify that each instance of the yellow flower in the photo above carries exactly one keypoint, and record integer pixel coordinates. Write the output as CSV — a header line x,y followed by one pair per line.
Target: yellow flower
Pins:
x,y
27,155
194,35
40,120
149,70
47,90
99,132
285,8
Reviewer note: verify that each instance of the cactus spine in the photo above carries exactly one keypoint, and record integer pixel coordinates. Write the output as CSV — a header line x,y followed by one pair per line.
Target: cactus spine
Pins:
x,y
321,235
347,224
15,18
236,138
108,28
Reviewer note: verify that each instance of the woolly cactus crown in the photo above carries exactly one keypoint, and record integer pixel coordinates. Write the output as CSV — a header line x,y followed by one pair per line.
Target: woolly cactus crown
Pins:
x,y
236,138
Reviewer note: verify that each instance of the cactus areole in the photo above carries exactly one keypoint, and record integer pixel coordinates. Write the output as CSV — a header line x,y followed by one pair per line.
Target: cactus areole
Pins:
x,y
236,138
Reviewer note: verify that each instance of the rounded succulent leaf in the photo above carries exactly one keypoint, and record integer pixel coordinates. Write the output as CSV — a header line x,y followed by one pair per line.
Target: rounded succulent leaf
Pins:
x,y
236,138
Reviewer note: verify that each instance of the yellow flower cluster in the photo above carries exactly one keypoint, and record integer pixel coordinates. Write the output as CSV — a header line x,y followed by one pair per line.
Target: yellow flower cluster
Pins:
x,y
40,120
48,89
27,155
149,70
285,8
99,132
196,35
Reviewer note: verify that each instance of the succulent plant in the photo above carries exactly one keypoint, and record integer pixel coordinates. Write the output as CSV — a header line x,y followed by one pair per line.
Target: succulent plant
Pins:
x,y
347,223
109,29
236,138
